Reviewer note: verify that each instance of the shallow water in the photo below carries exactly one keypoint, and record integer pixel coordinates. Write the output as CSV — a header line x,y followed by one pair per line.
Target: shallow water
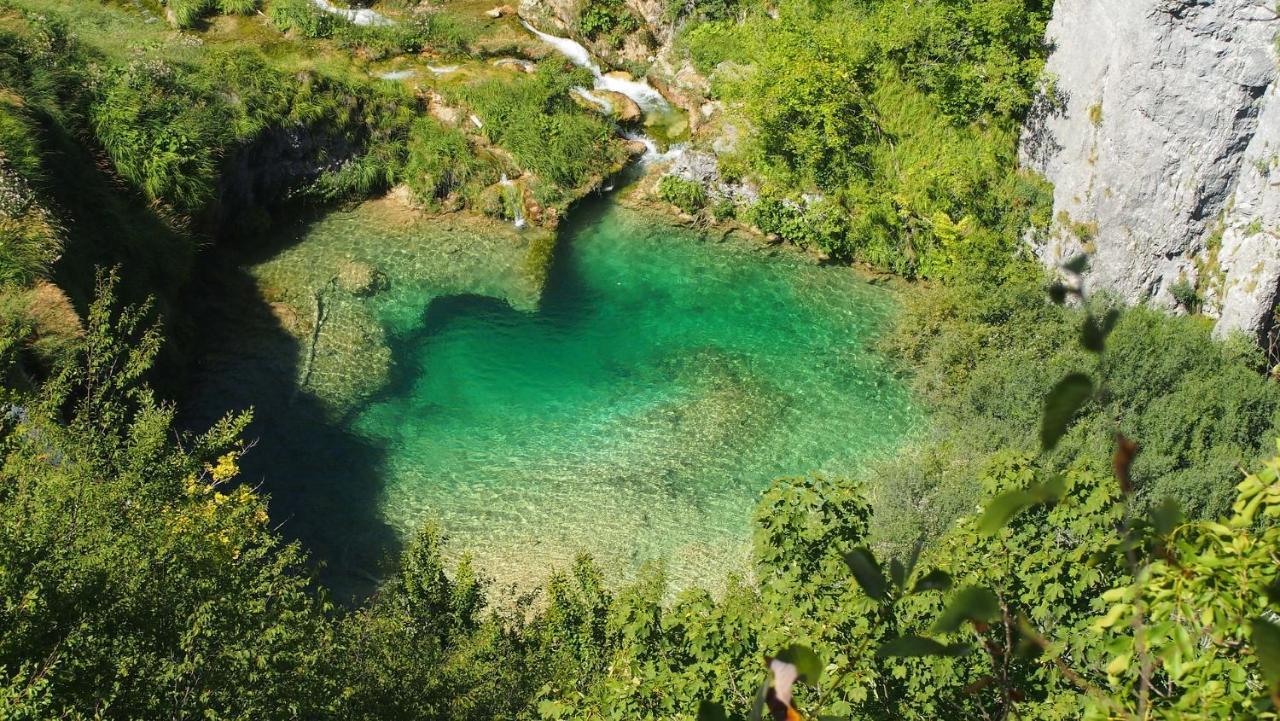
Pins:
x,y
636,414
640,411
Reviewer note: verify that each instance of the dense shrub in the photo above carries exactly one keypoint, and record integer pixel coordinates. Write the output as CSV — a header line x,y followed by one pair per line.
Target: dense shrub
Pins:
x,y
987,352
533,117
606,18
904,117
687,195
441,161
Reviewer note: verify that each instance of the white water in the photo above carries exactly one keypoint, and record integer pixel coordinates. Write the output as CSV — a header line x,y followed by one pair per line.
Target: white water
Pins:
x,y
397,75
442,69
361,16
652,154
594,99
643,93
518,221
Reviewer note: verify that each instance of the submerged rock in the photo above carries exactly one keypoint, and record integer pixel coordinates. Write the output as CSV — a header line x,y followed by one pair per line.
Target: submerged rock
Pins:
x,y
360,279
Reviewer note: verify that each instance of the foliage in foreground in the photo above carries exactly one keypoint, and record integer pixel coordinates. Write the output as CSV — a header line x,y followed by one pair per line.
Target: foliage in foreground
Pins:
x,y
140,580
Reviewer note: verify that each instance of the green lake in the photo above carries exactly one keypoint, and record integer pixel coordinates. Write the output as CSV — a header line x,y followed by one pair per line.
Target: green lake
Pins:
x,y
635,412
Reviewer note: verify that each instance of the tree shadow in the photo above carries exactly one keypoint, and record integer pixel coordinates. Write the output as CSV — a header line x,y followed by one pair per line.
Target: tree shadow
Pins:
x,y
325,483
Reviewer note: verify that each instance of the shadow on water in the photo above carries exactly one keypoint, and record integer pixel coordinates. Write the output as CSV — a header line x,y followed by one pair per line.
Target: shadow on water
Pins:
x,y
325,483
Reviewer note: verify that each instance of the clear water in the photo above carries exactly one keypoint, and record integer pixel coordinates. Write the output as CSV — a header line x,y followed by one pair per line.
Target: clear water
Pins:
x,y
663,381
637,414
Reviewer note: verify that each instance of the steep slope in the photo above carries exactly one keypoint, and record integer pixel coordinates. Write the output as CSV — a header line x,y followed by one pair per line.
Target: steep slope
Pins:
x,y
1160,130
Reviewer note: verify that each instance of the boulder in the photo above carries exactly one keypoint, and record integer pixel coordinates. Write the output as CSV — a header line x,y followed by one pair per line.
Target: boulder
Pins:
x,y
625,110
501,11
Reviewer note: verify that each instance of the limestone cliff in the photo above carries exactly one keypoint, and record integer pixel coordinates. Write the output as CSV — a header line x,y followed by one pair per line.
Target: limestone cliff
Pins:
x,y
1160,129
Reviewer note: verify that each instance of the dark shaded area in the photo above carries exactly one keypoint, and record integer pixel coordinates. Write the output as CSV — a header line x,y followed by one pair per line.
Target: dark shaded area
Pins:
x,y
316,473
107,224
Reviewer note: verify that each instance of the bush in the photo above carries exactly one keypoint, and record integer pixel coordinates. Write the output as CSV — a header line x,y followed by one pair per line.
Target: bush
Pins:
x,y
533,117
187,12
437,31
303,17
687,195
607,18
441,161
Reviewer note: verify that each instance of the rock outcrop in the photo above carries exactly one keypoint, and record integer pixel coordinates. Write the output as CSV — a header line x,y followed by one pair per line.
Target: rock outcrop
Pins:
x,y
1160,130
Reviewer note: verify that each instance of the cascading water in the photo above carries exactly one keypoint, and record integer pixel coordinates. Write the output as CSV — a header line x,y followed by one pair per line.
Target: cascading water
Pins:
x,y
359,16
517,201
644,94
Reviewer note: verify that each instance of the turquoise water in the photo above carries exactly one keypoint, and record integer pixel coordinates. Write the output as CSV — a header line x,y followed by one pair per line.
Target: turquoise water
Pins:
x,y
637,414
663,381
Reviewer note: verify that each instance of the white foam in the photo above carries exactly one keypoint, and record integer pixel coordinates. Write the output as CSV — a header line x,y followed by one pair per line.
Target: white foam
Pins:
x,y
643,93
594,99
397,75
355,16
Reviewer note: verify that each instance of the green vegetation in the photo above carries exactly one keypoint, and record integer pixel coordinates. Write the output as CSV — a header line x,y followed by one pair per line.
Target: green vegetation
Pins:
x,y
901,117
533,118
1073,537
441,161
437,31
687,195
186,13
610,19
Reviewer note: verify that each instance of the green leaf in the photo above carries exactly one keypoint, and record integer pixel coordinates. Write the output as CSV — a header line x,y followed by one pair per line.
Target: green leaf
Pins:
x,y
1004,507
708,711
1166,517
935,580
1001,510
1061,405
916,646
1077,265
867,572
807,663
1265,637
897,573
969,604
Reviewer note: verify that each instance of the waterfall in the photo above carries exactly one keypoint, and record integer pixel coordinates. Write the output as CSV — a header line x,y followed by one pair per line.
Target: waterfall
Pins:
x,y
518,201
594,99
361,16
643,93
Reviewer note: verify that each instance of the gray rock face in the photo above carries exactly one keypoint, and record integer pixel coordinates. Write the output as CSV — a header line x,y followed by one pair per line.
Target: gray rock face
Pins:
x,y
1160,130
702,167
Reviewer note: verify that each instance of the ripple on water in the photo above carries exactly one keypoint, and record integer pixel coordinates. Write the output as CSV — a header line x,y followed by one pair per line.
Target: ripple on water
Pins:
x,y
637,413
